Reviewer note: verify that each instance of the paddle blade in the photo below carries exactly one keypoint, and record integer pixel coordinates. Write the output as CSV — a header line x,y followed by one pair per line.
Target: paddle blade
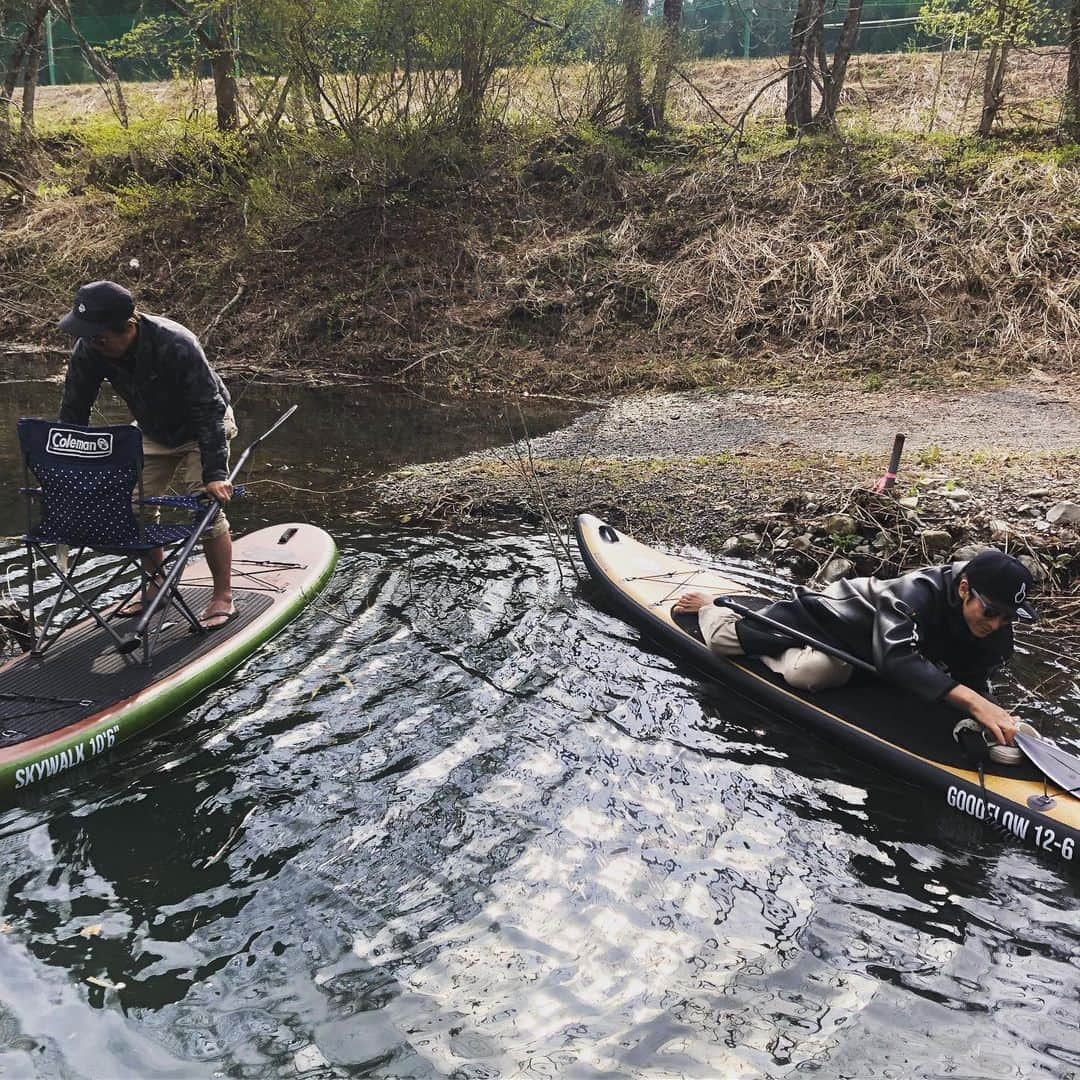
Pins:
x,y
1060,767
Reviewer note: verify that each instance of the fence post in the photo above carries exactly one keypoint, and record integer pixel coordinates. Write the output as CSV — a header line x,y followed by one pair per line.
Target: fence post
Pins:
x,y
746,37
49,53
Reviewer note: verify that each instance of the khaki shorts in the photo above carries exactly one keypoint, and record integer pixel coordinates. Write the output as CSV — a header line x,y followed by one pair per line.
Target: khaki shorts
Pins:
x,y
180,467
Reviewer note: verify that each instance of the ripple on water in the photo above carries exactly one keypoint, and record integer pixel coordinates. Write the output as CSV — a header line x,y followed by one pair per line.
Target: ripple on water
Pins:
x,y
458,821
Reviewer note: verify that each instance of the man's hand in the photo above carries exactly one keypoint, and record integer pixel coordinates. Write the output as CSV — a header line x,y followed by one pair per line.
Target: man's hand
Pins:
x,y
1000,723
220,490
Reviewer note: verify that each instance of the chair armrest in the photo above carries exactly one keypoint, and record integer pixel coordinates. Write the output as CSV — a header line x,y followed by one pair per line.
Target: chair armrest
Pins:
x,y
192,503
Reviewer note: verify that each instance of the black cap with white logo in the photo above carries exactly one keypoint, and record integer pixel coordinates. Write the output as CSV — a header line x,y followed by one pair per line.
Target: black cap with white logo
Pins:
x,y
98,306
1002,580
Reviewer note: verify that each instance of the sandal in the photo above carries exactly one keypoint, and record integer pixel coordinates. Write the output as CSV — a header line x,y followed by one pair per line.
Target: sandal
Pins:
x,y
214,620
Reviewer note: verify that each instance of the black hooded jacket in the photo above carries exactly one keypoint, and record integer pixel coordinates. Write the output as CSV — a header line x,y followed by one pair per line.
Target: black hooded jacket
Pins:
x,y
168,384
911,628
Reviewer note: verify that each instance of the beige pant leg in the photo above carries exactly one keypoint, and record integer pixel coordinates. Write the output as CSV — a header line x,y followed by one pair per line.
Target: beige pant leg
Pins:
x,y
718,629
808,669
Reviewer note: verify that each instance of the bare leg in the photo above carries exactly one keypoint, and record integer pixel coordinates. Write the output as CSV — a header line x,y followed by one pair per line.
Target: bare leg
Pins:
x,y
151,562
219,558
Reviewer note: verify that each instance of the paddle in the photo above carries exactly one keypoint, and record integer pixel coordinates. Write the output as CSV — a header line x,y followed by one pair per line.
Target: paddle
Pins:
x,y
131,643
806,639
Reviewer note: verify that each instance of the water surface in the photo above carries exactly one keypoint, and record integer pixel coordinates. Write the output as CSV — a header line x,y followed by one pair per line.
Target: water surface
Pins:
x,y
460,821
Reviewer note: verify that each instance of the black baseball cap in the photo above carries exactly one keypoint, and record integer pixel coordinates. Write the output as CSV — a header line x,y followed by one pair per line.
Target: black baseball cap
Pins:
x,y
1002,580
98,306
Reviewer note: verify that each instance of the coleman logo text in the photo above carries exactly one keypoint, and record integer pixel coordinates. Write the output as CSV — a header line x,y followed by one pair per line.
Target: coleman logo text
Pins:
x,y
76,444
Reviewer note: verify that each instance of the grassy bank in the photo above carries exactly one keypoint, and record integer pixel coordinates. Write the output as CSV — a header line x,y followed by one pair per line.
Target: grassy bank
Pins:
x,y
564,260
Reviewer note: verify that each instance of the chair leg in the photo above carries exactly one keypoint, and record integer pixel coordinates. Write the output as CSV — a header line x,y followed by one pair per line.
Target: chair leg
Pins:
x,y
31,567
87,603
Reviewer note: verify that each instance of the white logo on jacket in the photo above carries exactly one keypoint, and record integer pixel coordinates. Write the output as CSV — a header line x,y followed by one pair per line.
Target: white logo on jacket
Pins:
x,y
1021,593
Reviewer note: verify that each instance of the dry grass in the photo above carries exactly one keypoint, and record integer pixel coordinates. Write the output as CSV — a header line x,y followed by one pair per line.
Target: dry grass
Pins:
x,y
575,264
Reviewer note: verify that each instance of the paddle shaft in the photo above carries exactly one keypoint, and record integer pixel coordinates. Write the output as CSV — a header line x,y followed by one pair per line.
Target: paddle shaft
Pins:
x,y
192,540
798,635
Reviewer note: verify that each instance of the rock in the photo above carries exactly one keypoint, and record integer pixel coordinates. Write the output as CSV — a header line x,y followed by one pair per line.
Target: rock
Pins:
x,y
1000,529
1035,568
955,494
969,551
909,502
935,542
1064,513
792,504
802,543
1037,493
840,525
835,569
741,544
546,171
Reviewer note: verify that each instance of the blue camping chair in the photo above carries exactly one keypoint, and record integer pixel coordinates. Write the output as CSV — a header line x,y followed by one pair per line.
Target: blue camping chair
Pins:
x,y
89,478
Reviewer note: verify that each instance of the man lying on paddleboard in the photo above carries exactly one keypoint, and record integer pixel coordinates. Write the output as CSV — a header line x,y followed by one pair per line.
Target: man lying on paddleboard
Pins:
x,y
938,632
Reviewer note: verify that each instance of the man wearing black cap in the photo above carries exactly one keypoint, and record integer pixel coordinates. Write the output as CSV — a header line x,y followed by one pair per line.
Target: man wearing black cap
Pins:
x,y
177,399
938,632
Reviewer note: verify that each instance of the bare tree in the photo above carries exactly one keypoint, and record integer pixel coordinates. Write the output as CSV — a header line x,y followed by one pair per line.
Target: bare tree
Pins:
x,y
101,68
994,75
17,61
212,26
832,75
633,45
30,79
1072,79
665,61
805,29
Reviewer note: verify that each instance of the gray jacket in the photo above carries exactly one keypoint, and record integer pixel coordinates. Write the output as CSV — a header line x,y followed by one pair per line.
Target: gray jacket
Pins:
x,y
168,384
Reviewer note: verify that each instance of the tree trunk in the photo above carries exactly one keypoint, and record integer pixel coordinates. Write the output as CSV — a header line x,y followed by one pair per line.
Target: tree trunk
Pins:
x,y
665,62
223,69
633,14
798,112
1072,79
30,81
832,76
15,64
472,86
995,77
995,73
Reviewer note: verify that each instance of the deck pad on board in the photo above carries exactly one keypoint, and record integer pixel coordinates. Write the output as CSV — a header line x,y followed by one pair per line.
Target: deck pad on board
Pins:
x,y
88,667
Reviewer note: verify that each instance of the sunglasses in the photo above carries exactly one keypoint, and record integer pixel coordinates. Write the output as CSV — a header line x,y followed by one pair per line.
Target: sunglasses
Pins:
x,y
993,611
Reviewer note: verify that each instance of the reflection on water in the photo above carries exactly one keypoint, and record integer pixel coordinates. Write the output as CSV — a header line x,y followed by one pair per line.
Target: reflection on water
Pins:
x,y
459,821
335,437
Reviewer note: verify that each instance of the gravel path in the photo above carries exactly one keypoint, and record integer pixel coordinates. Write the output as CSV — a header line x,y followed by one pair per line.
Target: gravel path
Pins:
x,y
1023,418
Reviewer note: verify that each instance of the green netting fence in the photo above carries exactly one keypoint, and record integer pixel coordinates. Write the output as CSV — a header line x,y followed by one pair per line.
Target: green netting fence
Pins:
x,y
62,60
